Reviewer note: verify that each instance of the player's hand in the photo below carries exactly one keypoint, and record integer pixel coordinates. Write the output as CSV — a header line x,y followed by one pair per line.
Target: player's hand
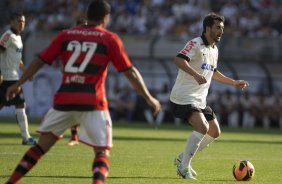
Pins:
x,y
241,84
155,104
200,79
12,91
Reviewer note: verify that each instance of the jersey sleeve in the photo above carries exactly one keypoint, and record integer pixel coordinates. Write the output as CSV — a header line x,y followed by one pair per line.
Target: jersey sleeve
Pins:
x,y
54,49
118,55
5,40
189,51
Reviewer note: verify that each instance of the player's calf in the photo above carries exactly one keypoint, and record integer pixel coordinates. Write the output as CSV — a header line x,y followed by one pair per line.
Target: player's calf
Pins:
x,y
26,164
100,168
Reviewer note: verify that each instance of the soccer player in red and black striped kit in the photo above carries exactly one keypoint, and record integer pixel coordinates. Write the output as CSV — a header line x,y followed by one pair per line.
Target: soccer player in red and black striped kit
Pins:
x,y
74,137
85,52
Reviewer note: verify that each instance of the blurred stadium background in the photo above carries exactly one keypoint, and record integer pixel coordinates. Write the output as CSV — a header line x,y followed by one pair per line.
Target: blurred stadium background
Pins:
x,y
153,32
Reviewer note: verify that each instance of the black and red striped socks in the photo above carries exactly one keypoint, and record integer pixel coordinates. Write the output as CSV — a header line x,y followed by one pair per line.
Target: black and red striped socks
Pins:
x,y
26,164
74,135
100,168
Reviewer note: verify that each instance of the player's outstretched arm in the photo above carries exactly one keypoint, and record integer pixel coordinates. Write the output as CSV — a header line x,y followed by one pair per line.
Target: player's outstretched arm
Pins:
x,y
139,85
23,68
34,66
240,84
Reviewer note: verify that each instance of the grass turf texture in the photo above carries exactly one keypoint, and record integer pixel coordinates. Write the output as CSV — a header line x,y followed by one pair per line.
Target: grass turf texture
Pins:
x,y
143,155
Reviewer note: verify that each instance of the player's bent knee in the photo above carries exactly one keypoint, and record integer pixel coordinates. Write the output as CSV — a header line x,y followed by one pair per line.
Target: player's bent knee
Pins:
x,y
218,133
215,134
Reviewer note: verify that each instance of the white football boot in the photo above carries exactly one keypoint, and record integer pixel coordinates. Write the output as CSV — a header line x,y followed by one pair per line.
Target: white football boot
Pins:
x,y
185,173
177,162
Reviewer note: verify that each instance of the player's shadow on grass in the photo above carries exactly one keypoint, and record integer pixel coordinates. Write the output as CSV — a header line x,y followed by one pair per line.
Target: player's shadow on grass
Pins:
x,y
9,135
181,140
61,177
129,138
140,177
13,135
249,141
28,176
13,144
218,180
88,177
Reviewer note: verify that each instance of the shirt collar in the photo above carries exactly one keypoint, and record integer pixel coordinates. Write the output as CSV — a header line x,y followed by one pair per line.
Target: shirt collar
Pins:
x,y
14,31
205,40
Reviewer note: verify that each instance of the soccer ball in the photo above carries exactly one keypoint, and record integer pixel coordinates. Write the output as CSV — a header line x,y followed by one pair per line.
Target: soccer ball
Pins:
x,y
243,170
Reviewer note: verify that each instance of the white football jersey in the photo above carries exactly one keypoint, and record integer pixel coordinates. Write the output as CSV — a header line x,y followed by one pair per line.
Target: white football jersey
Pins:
x,y
203,58
11,57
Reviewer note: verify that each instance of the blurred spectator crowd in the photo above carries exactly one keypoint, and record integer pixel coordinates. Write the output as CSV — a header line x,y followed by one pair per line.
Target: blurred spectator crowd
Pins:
x,y
182,18
247,110
255,18
233,108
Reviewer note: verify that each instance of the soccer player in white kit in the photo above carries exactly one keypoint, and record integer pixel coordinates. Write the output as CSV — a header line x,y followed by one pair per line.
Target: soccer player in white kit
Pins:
x,y
11,47
197,63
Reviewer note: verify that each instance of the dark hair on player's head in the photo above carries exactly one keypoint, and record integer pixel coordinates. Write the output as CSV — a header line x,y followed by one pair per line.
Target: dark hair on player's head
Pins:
x,y
209,20
16,15
98,9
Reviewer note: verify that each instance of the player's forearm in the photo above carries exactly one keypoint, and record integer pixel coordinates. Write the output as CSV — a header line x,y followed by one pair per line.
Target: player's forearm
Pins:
x,y
137,82
184,65
219,77
34,66
22,67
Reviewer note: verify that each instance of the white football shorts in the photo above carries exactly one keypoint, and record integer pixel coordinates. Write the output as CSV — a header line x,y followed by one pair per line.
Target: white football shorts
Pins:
x,y
95,126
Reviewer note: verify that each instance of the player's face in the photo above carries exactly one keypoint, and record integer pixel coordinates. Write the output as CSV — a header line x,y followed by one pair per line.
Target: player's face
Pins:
x,y
216,31
18,24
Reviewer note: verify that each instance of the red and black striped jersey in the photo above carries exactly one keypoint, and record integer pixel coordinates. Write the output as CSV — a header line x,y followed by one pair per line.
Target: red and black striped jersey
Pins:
x,y
85,53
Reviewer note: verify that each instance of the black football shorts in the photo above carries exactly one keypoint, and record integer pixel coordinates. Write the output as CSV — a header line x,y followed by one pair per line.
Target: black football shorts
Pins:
x,y
185,111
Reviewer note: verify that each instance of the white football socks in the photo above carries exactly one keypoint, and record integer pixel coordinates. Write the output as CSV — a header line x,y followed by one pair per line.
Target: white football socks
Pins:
x,y
205,142
192,145
23,124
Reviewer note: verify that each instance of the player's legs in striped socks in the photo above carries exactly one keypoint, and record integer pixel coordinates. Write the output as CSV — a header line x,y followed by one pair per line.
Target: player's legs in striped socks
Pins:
x,y
31,157
26,164
100,167
74,137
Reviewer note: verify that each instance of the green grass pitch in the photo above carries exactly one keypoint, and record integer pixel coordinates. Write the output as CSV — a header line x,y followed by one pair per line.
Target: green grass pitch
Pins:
x,y
143,154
